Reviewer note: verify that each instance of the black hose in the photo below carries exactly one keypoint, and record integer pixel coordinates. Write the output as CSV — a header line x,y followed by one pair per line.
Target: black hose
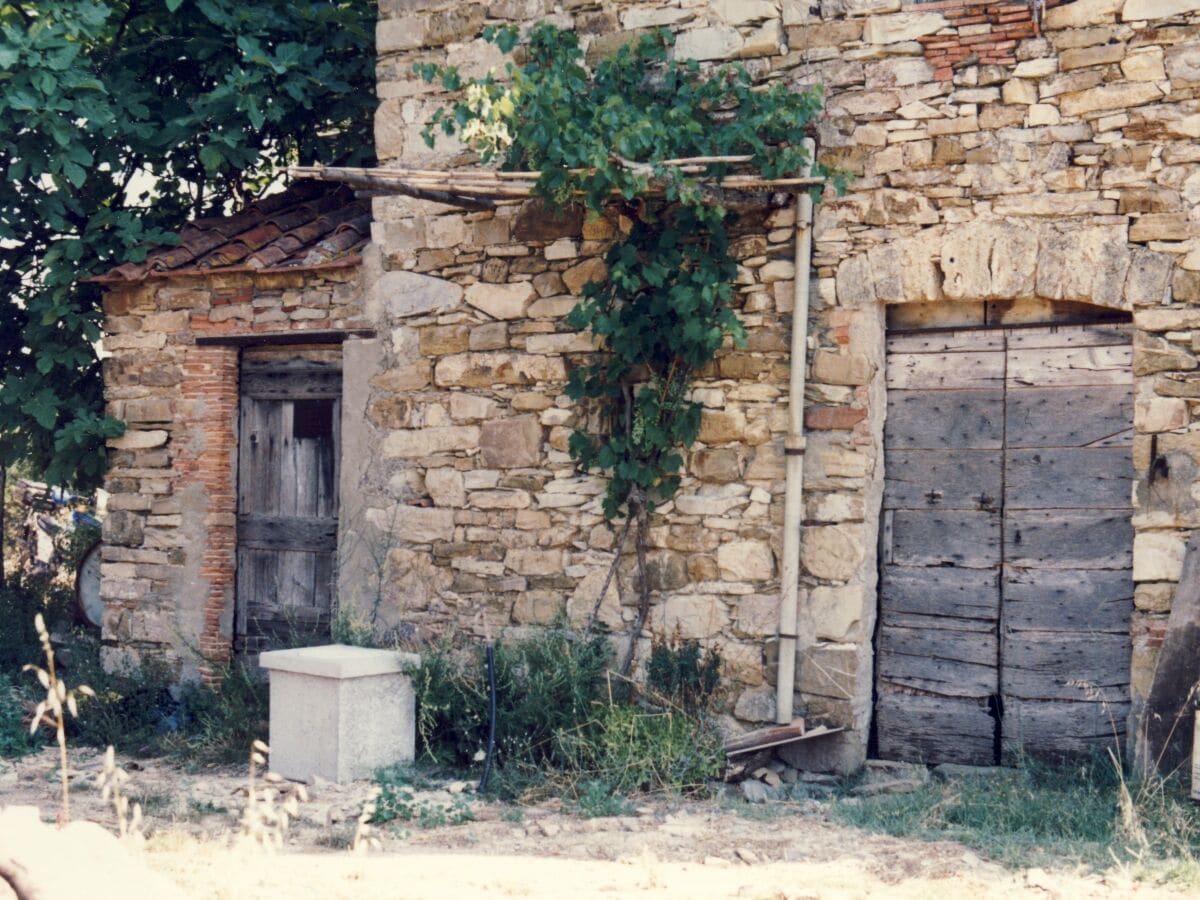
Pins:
x,y
491,671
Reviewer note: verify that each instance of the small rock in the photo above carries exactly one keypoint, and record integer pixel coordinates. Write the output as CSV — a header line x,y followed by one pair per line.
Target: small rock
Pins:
x,y
456,787
757,792
746,855
550,829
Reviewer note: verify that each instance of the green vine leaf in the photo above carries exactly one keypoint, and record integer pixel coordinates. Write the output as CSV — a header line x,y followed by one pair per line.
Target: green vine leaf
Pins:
x,y
600,137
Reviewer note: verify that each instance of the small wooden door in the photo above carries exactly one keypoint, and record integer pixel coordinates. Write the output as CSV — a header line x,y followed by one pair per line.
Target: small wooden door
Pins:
x,y
1005,584
287,500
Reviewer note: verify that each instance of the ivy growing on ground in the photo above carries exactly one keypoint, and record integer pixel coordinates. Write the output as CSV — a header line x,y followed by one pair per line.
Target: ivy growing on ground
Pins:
x,y
600,137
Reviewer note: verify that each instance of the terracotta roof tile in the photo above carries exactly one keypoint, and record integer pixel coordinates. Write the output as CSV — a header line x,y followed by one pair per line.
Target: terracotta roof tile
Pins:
x,y
309,224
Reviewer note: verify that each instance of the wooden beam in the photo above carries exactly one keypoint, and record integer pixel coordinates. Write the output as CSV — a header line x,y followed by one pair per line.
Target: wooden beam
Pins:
x,y
279,338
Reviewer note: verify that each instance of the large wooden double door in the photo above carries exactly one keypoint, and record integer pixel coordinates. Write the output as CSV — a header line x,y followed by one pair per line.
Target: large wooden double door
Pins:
x,y
287,499
1006,543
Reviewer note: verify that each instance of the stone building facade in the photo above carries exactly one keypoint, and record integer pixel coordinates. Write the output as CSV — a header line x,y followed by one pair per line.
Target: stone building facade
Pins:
x,y
1009,168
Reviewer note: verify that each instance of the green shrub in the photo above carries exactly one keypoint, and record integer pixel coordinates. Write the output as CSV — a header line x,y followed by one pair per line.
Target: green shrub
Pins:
x,y
23,597
557,720
597,800
397,802
681,672
218,723
631,749
545,686
15,739
133,706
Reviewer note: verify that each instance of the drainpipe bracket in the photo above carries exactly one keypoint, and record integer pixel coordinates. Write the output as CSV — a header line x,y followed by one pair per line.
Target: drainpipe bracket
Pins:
x,y
795,445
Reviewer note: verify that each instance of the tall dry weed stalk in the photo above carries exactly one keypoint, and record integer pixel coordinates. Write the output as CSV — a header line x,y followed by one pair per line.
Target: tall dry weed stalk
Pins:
x,y
129,817
364,837
271,805
51,712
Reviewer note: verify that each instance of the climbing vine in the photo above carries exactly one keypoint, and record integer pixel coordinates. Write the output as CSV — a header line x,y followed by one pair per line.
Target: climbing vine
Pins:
x,y
600,137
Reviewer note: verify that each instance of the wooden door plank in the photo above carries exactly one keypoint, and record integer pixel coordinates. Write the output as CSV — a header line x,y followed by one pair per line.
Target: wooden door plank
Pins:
x,y
940,591
1069,336
1068,539
287,532
1066,417
1059,665
945,538
943,420
1068,478
946,342
941,677
1062,727
935,371
1083,600
942,479
1077,366
917,728
940,640
289,380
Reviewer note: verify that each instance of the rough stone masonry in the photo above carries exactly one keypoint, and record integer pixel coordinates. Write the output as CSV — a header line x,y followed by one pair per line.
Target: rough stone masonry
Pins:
x,y
995,158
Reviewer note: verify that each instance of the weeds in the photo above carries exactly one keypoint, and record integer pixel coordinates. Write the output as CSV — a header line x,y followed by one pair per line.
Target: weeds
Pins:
x,y
364,839
396,801
545,686
112,780
1086,811
15,739
51,712
597,800
559,728
269,808
217,722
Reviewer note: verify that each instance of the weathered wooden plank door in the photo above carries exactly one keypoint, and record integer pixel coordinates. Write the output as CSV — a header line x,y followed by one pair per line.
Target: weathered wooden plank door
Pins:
x,y
937,666
287,500
1005,584
1068,538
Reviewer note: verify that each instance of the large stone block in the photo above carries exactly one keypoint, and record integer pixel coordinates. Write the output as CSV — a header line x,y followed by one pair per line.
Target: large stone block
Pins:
x,y
511,443
1137,10
905,26
340,712
427,441
746,561
502,301
1158,556
486,369
837,612
692,617
410,294
715,42
1082,13
1108,97
832,551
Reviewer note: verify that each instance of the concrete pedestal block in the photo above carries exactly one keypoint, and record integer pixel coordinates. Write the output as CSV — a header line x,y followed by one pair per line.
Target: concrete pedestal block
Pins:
x,y
340,712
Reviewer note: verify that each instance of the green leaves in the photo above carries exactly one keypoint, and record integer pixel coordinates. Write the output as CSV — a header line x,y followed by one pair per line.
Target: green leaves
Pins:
x,y
199,100
663,313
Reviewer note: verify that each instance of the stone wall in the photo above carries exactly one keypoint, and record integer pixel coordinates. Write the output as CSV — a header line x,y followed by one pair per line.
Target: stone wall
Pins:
x,y
167,570
995,158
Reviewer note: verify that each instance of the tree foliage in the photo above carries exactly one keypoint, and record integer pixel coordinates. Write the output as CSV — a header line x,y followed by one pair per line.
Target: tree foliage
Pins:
x,y
119,120
666,307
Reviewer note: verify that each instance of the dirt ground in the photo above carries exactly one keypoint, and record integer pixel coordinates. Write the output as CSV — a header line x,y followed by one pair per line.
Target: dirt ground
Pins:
x,y
669,848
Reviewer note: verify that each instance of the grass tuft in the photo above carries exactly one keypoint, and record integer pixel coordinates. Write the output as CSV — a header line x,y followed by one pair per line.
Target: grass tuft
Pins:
x,y
1087,812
